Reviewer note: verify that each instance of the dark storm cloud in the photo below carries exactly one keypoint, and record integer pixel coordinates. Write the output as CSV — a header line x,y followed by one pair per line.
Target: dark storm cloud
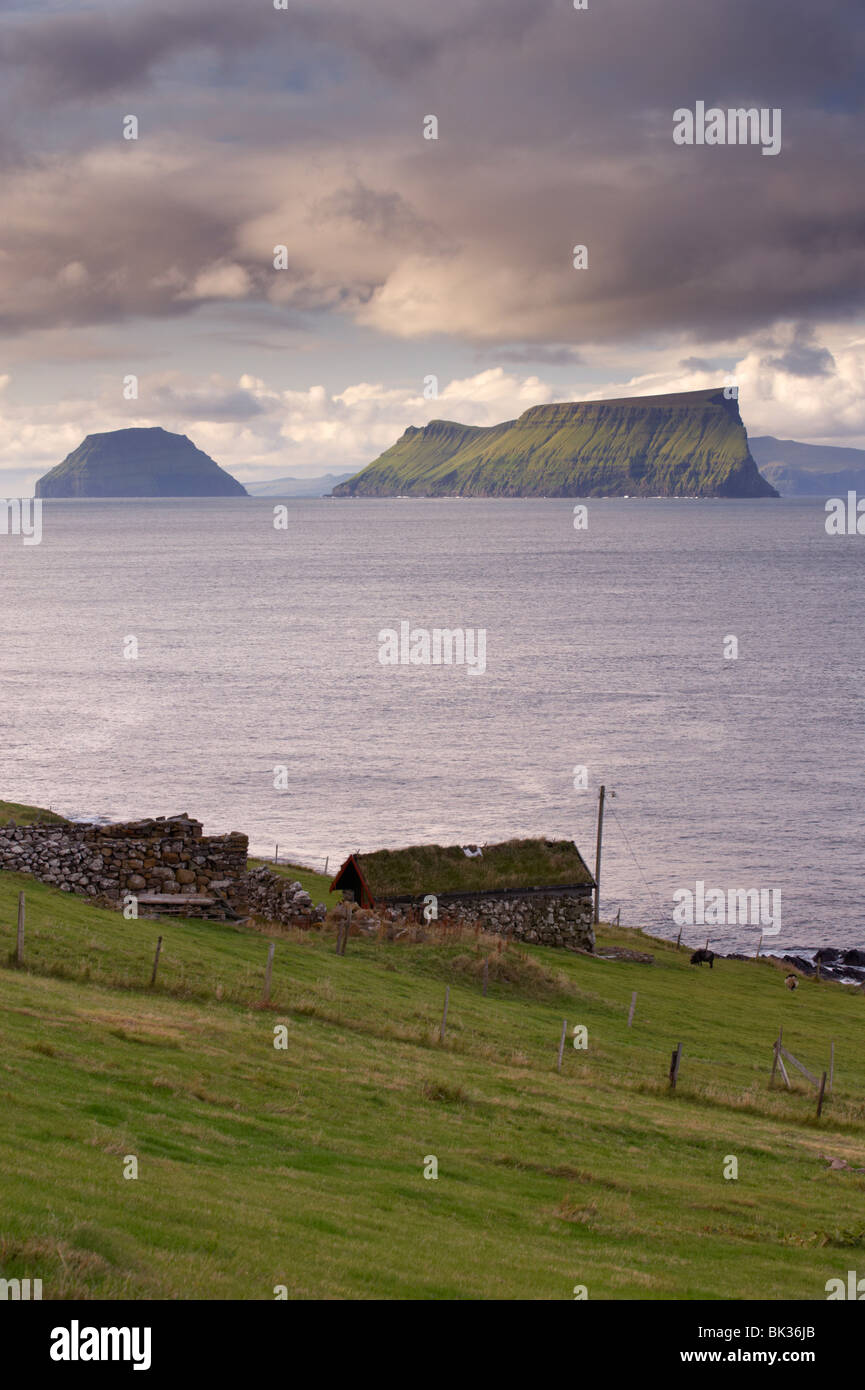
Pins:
x,y
83,54
304,127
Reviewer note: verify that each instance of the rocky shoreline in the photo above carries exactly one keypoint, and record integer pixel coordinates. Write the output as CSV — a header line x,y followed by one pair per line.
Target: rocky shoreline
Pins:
x,y
845,967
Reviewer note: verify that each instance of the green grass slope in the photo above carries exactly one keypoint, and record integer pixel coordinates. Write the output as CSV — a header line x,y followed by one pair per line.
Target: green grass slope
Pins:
x,y
687,444
27,815
304,1166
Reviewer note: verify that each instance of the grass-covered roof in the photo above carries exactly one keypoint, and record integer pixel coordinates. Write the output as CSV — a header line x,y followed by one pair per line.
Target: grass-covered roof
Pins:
x,y
441,869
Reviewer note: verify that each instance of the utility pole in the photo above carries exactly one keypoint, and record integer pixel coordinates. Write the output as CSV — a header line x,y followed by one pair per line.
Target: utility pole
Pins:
x,y
601,794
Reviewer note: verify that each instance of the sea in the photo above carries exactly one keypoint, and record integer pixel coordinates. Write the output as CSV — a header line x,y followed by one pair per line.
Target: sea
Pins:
x,y
702,660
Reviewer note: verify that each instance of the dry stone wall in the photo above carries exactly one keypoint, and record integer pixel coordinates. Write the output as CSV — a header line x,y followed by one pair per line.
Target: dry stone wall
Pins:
x,y
539,919
107,862
276,899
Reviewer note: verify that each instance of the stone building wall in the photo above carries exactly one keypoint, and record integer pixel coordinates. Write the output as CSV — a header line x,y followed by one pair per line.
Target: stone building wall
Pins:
x,y
107,862
539,919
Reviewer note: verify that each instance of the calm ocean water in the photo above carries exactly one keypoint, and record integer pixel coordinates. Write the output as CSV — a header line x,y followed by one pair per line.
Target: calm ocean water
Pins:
x,y
259,647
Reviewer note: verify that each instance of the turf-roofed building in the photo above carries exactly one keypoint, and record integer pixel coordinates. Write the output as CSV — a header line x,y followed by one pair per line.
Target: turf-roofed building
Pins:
x,y
534,890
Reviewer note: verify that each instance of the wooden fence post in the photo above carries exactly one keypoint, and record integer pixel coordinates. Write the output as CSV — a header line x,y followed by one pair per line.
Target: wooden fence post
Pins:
x,y
156,961
674,1066
445,1014
777,1059
270,950
19,941
679,940
820,1097
562,1043
783,1068
633,1006
276,854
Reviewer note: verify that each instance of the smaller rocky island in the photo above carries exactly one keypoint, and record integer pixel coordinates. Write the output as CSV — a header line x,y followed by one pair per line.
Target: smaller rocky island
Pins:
x,y
138,463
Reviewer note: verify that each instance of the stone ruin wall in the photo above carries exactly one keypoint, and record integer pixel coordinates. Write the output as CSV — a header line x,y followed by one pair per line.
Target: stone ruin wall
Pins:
x,y
107,862
275,898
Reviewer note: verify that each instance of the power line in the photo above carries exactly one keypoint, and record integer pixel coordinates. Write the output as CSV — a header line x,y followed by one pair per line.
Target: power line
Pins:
x,y
653,892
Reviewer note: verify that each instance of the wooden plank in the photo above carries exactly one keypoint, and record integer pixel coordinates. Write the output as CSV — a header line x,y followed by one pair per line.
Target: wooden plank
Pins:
x,y
178,899
804,1070
784,1071
820,1097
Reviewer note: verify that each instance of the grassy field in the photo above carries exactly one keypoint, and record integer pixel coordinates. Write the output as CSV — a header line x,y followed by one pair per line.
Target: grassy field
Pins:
x,y
303,1166
27,815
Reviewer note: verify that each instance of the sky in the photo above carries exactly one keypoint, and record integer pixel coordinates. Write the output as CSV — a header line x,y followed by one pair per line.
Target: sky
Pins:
x,y
408,258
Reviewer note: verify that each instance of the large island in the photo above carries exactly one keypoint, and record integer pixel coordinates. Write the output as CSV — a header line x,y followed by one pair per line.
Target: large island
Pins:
x,y
689,443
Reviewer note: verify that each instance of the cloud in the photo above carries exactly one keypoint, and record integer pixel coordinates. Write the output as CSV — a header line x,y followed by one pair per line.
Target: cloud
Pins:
x,y
257,430
802,357
775,395
555,129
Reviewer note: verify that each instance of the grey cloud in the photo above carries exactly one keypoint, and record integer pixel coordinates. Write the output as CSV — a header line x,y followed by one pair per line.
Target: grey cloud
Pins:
x,y
215,406
803,357
555,127
543,354
697,364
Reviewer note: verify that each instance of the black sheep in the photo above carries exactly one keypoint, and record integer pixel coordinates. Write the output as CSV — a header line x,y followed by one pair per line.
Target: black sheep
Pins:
x,y
699,956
